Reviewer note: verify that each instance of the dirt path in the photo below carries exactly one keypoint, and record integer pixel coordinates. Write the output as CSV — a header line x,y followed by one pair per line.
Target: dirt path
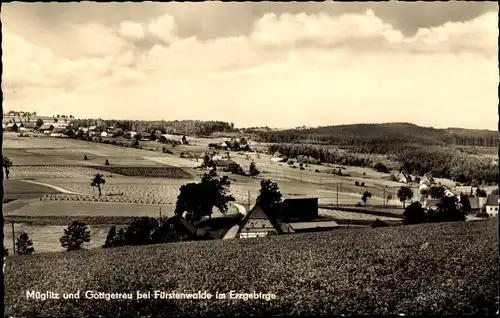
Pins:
x,y
54,187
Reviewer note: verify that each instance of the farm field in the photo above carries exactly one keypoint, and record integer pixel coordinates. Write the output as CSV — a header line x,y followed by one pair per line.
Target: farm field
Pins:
x,y
448,268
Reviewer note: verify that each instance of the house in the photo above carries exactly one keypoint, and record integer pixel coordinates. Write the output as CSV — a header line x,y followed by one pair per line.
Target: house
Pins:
x,y
492,205
303,227
175,228
300,209
46,128
145,136
277,157
258,223
132,134
403,177
431,203
427,179
13,127
475,206
29,126
222,164
104,134
83,129
448,193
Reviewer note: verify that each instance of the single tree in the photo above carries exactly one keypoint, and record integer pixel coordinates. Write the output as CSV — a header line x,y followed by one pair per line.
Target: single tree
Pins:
x,y
39,123
405,194
447,210
85,157
206,160
111,237
74,236
184,140
436,192
253,169
465,204
199,199
106,162
140,230
366,195
97,181
7,163
269,198
24,245
414,214
480,193
55,120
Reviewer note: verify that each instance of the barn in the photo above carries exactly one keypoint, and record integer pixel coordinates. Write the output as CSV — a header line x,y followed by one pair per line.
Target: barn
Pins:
x,y
299,209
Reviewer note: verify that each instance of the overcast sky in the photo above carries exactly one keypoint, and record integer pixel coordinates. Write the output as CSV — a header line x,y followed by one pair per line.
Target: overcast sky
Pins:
x,y
255,64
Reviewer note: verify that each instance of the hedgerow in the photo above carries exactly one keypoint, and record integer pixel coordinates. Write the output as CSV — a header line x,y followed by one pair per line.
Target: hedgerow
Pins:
x,y
447,268
147,172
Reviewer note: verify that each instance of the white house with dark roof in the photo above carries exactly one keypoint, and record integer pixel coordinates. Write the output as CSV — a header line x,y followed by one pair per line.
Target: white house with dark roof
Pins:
x,y
492,205
258,223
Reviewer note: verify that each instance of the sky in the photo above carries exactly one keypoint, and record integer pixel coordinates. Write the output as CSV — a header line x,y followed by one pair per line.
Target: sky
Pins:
x,y
255,64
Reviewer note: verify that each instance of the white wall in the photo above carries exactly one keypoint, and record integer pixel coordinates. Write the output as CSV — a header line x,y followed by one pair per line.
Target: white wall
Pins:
x,y
492,209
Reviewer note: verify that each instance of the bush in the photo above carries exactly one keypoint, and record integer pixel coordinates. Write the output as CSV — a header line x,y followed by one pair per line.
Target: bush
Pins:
x,y
316,170
24,245
75,235
359,204
356,183
302,168
291,162
362,184
378,223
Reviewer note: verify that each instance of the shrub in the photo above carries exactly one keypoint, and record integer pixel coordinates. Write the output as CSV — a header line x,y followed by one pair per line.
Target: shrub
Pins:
x,y
74,236
378,223
359,204
316,170
24,245
302,168
291,162
362,184
356,183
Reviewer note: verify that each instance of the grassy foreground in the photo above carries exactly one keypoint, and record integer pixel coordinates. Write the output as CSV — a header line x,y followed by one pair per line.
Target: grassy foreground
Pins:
x,y
433,268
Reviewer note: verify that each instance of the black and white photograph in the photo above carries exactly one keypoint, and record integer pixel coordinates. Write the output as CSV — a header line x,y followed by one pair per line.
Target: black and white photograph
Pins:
x,y
250,158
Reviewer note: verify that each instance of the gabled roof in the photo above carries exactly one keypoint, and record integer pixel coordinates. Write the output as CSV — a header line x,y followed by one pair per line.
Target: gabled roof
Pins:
x,y
46,126
492,199
10,125
257,213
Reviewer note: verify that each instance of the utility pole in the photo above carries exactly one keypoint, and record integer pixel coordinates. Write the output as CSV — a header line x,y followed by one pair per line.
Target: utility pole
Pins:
x,y
384,197
337,195
248,202
13,239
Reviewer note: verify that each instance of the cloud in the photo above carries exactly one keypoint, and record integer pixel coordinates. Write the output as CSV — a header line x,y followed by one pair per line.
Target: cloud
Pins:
x,y
131,30
302,65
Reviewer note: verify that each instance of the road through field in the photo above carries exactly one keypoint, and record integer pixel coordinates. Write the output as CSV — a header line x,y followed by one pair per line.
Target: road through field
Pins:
x,y
55,187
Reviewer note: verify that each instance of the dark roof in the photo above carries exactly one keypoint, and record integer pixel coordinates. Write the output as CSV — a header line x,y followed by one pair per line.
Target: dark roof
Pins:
x,y
46,126
181,225
492,199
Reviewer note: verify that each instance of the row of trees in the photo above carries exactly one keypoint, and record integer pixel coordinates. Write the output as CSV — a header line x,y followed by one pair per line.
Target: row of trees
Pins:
x,y
378,138
191,127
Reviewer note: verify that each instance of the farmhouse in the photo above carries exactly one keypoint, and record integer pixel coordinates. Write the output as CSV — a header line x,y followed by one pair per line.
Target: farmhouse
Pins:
x,y
13,127
145,136
277,157
431,203
404,177
300,209
427,179
29,126
492,205
46,128
222,164
258,223
175,228
104,134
